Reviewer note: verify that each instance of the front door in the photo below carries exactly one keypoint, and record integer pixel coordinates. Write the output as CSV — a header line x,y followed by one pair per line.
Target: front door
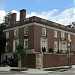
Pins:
x,y
44,44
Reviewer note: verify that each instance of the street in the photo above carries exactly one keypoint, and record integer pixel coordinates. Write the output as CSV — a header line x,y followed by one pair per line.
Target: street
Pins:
x,y
38,72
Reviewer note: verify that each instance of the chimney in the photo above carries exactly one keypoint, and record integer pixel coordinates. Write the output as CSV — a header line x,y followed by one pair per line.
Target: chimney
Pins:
x,y
13,18
22,14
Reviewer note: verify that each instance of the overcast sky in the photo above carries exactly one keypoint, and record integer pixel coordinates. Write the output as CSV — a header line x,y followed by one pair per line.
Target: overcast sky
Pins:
x,y
60,11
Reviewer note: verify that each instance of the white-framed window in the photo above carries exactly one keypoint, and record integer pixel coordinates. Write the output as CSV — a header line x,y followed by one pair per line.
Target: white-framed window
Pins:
x,y
25,43
15,42
55,46
26,31
43,31
7,35
44,44
62,34
55,33
6,47
69,37
16,32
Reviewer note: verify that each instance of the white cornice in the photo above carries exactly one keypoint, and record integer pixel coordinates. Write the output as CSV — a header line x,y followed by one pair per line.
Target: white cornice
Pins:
x,y
38,24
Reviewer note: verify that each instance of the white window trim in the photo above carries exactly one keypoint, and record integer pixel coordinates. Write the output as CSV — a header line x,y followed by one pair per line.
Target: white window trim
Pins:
x,y
26,29
7,35
55,48
62,34
42,39
14,44
6,48
24,43
69,37
44,31
55,33
16,35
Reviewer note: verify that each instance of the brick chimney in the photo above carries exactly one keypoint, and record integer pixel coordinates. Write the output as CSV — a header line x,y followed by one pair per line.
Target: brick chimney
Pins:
x,y
13,18
22,14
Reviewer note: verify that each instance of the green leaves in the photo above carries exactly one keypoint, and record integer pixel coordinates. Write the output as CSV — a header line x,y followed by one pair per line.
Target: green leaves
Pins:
x,y
2,40
20,51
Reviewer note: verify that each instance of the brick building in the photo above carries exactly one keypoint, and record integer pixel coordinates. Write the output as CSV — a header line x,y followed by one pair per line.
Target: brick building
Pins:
x,y
48,42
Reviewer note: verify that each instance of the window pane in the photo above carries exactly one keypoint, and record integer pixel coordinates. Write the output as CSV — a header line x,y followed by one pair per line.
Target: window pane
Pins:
x,y
43,31
26,31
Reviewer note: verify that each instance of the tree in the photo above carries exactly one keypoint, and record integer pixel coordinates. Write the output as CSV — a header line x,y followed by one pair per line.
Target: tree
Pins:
x,y
20,53
7,19
2,39
73,24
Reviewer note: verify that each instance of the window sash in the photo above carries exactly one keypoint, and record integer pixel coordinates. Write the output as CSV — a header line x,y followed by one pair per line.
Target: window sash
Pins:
x,y
62,35
16,32
7,34
26,31
25,43
55,33
43,31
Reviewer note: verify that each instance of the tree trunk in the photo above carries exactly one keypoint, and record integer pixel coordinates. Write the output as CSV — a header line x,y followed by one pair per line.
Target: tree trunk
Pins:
x,y
19,63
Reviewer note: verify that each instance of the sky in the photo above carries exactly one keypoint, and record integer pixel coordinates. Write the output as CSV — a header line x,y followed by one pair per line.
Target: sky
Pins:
x,y
60,11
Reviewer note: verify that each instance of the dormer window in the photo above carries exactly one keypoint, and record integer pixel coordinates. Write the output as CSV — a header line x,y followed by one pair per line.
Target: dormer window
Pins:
x,y
26,31
43,31
7,35
16,33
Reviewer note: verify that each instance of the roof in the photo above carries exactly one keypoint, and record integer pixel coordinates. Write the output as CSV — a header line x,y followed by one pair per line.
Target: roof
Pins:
x,y
41,21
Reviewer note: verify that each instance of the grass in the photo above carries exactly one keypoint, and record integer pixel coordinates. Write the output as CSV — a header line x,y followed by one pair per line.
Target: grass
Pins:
x,y
19,69
61,69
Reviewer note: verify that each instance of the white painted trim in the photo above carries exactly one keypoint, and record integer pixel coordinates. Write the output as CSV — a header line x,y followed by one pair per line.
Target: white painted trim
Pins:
x,y
17,40
42,25
24,42
18,27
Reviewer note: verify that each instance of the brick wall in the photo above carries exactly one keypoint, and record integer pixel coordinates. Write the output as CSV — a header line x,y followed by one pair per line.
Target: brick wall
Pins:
x,y
30,61
52,60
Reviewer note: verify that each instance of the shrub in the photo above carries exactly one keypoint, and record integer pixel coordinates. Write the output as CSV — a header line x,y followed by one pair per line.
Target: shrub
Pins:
x,y
50,50
19,69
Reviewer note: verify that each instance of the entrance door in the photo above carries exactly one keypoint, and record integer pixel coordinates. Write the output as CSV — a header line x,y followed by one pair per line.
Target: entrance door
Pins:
x,y
44,44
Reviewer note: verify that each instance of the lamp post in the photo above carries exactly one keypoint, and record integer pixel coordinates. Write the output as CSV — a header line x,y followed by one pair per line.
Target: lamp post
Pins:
x,y
69,55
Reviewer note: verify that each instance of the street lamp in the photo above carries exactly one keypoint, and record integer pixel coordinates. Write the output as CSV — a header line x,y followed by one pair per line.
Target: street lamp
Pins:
x,y
69,54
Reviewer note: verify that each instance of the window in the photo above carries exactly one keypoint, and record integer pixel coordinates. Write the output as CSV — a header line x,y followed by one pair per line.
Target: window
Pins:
x,y
15,32
43,31
7,35
6,48
26,31
15,42
25,43
69,38
44,44
62,35
55,33
55,45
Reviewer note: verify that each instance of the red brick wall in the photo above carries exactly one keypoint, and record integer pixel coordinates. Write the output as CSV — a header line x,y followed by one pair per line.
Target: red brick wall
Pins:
x,y
11,41
37,37
30,61
52,60
50,36
31,37
21,35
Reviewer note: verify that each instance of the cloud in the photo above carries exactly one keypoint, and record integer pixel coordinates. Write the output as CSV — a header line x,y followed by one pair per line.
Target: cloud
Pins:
x,y
65,17
2,14
18,14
